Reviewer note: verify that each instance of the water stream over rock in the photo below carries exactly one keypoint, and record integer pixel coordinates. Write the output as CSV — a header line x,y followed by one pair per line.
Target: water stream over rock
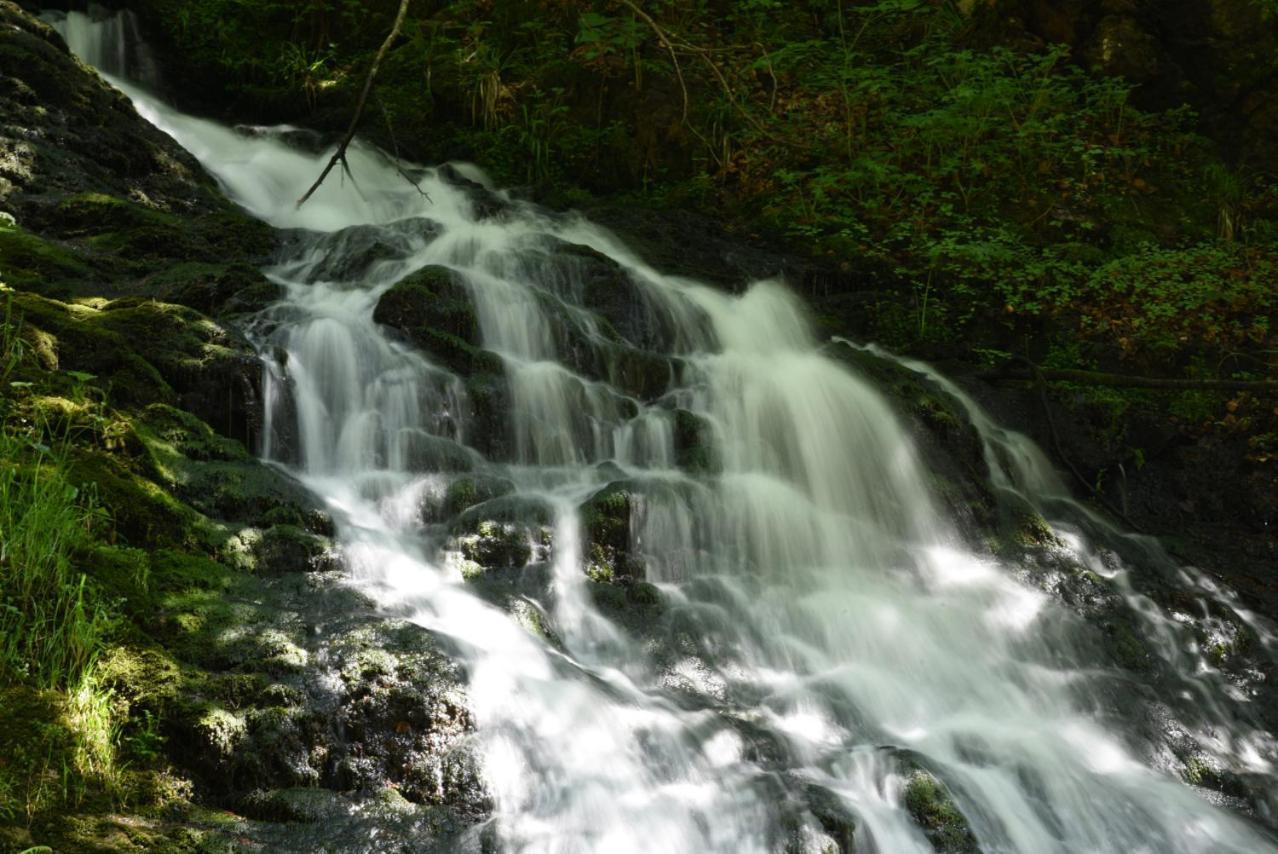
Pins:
x,y
691,563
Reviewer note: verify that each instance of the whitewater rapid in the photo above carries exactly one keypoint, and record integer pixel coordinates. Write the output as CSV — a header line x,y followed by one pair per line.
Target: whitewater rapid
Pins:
x,y
827,633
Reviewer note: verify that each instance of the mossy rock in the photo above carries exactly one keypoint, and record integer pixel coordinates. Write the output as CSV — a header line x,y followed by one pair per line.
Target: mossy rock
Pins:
x,y
143,352
695,447
467,491
606,521
248,491
140,678
930,804
215,289
494,545
289,549
142,512
433,310
350,254
33,264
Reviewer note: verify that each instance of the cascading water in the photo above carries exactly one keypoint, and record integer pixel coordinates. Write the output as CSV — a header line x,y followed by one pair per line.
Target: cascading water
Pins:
x,y
825,633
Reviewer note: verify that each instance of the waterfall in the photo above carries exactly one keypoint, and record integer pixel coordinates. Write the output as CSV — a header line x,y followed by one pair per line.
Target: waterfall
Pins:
x,y
826,635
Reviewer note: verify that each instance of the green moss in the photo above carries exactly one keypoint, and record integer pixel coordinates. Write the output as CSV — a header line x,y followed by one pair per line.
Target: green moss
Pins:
x,y
31,263
36,748
931,805
92,213
141,511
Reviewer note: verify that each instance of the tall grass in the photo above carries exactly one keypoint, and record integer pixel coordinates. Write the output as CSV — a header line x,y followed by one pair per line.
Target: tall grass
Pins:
x,y
53,623
51,627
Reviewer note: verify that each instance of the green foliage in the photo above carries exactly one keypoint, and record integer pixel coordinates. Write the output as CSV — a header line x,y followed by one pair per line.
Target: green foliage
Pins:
x,y
51,622
1219,294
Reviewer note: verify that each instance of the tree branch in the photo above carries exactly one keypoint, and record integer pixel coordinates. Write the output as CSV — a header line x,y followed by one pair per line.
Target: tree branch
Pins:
x,y
668,45
339,156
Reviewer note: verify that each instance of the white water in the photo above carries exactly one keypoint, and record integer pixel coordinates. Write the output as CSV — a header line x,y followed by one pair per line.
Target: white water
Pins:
x,y
824,622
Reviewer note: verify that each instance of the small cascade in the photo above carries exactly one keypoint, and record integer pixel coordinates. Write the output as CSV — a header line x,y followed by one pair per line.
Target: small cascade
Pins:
x,y
827,663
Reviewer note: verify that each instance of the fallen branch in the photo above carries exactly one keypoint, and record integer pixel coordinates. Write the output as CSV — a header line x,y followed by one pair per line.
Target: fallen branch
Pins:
x,y
339,156
1126,381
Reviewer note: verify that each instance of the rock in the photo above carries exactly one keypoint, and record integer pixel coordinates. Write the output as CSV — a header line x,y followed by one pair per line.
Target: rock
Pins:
x,y
104,197
288,548
351,254
214,289
950,447
466,492
147,352
419,451
931,805
607,289
494,545
404,719
488,425
695,448
433,310
485,203
606,519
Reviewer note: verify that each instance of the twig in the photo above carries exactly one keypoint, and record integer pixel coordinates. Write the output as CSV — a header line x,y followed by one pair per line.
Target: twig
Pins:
x,y
339,156
395,161
665,42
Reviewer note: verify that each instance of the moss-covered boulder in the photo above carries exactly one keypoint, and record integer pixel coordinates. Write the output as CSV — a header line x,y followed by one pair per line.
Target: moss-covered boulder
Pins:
x,y
695,446
607,289
433,309
351,254
505,532
142,352
930,804
606,519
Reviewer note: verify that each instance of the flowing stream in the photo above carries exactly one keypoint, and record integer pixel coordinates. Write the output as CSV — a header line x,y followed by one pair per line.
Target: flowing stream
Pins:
x,y
826,633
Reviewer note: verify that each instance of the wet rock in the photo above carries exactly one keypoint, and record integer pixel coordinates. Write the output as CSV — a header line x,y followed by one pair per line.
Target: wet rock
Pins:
x,y
488,421
494,545
422,452
466,492
606,519
485,203
604,287
639,373
352,254
433,310
931,805
506,532
695,448
950,447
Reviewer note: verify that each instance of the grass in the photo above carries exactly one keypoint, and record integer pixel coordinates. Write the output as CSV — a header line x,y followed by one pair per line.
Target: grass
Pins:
x,y
51,627
63,735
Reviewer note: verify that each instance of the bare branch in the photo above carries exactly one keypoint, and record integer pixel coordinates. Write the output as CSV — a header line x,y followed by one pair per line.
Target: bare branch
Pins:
x,y
339,156
669,46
